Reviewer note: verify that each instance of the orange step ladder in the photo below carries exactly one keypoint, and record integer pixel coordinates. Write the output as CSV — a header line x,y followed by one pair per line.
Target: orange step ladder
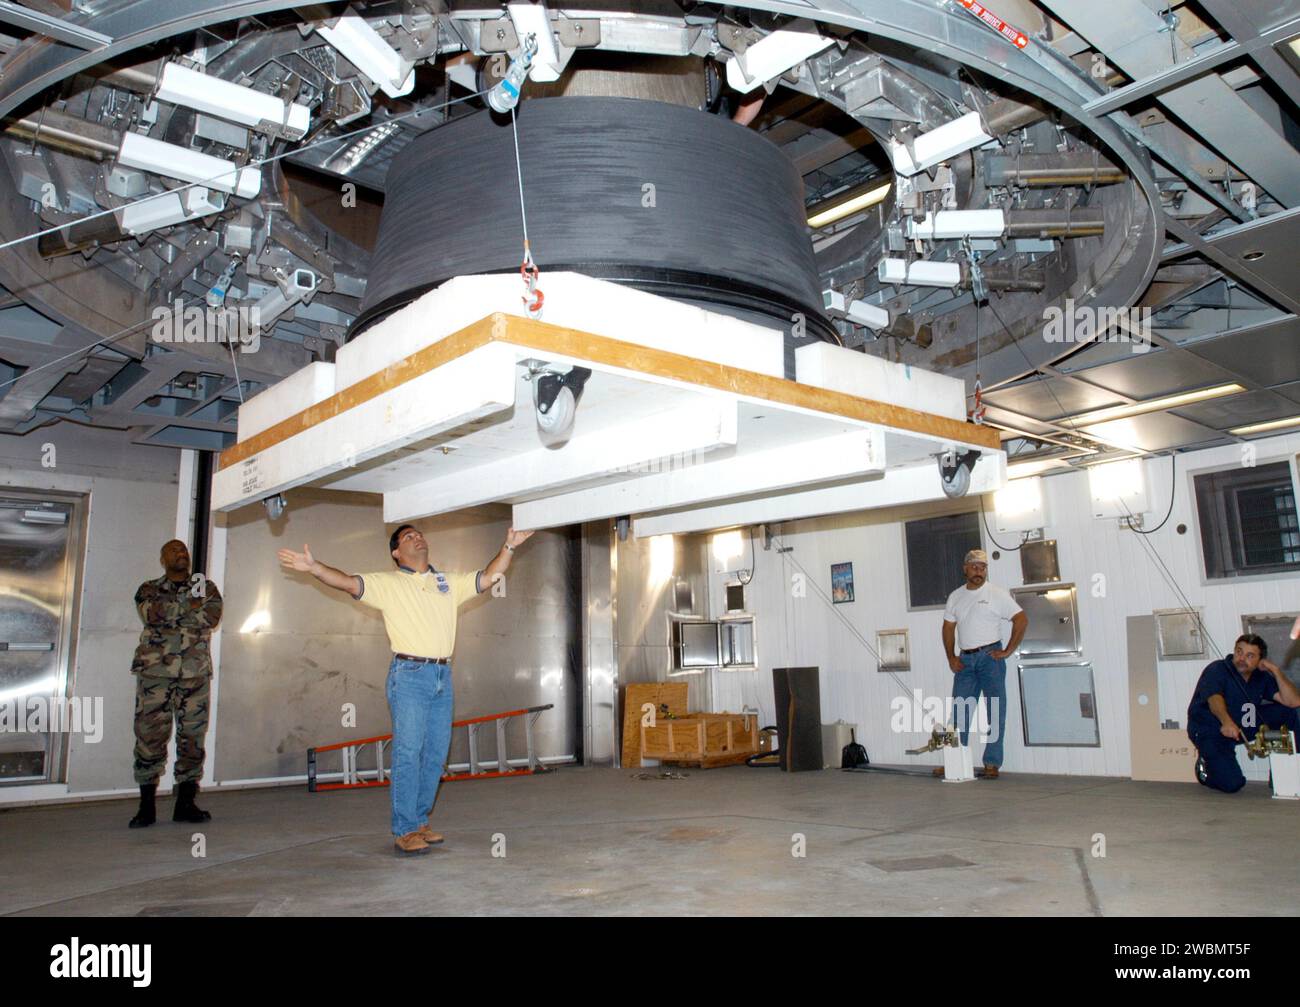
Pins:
x,y
354,777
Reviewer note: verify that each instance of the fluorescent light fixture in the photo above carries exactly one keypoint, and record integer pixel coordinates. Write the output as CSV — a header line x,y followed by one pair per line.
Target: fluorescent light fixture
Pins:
x,y
1018,506
365,49
1118,489
859,312
958,224
234,102
940,144
148,154
1295,46
1152,405
773,55
1259,428
919,273
849,203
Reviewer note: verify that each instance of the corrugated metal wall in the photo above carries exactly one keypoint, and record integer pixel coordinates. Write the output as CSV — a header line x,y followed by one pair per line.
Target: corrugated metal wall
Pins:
x,y
282,688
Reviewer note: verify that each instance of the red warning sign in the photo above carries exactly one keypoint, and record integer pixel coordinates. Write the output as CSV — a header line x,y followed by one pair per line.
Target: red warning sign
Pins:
x,y
1011,33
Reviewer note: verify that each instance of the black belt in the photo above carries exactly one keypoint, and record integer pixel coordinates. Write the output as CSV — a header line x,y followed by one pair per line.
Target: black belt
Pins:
x,y
423,660
976,650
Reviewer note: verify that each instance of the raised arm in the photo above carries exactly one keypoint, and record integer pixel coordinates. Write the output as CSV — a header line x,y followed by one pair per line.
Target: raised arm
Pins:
x,y
501,561
303,562
1286,694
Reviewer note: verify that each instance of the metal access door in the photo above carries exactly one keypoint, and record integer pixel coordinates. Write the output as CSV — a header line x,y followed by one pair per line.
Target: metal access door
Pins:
x,y
40,548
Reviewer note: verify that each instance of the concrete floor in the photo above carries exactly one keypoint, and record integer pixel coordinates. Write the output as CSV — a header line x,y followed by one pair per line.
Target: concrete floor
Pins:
x,y
581,841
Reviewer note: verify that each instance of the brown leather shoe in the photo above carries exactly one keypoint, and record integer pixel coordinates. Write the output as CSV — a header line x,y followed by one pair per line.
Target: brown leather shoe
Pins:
x,y
990,772
429,836
937,771
411,844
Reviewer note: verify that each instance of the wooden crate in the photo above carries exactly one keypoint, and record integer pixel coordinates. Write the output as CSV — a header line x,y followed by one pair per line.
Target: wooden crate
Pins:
x,y
702,739
658,694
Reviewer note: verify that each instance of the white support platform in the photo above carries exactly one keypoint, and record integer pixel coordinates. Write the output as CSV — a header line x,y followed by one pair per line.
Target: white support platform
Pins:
x,y
669,438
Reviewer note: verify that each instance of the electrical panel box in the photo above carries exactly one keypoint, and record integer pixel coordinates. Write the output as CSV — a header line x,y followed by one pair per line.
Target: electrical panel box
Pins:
x,y
694,645
1058,705
1039,563
736,637
1180,633
1053,614
892,647
728,644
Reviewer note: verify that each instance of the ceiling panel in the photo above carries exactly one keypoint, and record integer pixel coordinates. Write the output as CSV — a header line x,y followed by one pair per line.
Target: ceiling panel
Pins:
x,y
1039,398
1101,352
1276,237
1290,392
1154,432
1268,354
1152,374
1238,410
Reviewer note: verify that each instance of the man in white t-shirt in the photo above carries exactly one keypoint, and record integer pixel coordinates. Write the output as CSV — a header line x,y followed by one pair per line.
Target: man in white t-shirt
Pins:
x,y
973,619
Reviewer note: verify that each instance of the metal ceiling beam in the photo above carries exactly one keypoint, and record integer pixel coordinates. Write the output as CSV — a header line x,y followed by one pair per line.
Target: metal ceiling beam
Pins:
x,y
944,32
1245,43
1260,45
40,63
23,396
52,27
1140,43
1193,242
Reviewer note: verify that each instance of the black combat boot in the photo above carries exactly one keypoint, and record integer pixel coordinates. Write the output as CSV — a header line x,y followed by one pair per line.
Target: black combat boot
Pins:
x,y
145,816
186,809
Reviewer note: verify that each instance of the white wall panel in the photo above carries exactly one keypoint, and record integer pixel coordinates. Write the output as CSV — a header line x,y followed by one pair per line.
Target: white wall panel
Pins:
x,y
1116,578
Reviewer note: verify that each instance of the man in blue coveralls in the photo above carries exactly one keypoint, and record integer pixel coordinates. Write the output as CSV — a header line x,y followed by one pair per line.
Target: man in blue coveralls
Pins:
x,y
1233,699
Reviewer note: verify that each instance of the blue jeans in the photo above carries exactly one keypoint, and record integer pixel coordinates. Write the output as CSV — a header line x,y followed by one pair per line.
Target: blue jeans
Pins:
x,y
420,701
981,673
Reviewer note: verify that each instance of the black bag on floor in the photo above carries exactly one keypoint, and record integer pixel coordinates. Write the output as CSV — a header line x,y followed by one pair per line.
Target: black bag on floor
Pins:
x,y
853,755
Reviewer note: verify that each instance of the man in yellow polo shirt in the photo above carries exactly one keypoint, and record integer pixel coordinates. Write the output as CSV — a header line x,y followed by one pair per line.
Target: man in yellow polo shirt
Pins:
x,y
419,605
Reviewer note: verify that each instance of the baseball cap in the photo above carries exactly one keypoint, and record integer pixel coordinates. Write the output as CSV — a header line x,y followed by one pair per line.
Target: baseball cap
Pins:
x,y
977,556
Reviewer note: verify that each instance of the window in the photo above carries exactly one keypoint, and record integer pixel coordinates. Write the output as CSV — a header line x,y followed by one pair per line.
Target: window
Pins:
x,y
936,548
1248,521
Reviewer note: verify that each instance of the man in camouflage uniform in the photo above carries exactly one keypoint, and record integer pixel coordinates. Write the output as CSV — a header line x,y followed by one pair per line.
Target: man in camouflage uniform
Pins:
x,y
173,670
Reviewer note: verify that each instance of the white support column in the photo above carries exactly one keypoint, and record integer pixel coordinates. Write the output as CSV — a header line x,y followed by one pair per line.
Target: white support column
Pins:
x,y
217,572
185,477
186,473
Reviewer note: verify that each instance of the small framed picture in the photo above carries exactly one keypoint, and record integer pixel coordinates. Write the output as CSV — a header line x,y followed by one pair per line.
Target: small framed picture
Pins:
x,y
841,582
